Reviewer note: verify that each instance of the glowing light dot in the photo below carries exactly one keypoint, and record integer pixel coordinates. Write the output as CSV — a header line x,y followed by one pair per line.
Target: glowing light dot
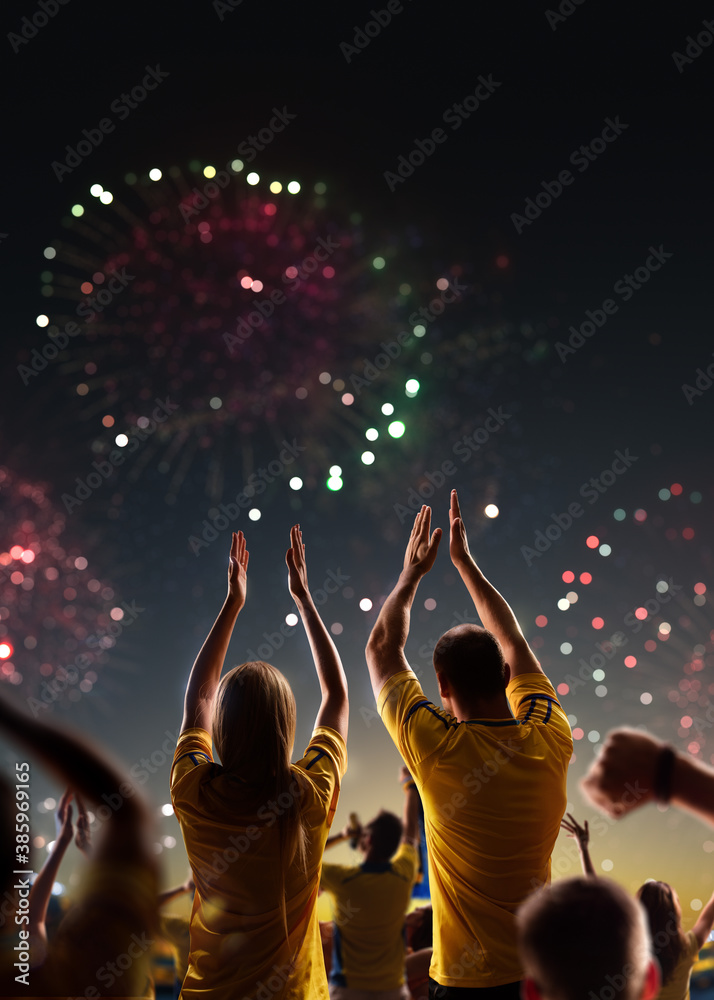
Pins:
x,y
167,809
246,282
607,865
568,577
207,172
442,284
257,286
371,433
42,320
605,550
348,399
430,604
695,497
301,393
592,541
335,470
688,534
379,263
320,187
641,614
253,178
396,429
700,588
662,586
601,690
586,578
665,628
336,628
156,175
49,253
108,420
696,904
80,563
324,377
630,661
686,721
121,440
541,621
293,187
491,510
598,675
693,747
254,514
328,272
563,604
563,689
77,211
650,645
664,494
578,733
566,648
640,515
334,483
296,483
411,387
5,650
367,457
291,618
572,597
502,261
598,622
237,166
106,198
365,604
387,409
82,389
95,190
676,489
419,330
619,514
708,846
215,403
594,736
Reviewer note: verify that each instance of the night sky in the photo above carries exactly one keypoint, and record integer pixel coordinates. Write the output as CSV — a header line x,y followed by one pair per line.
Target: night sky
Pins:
x,y
502,231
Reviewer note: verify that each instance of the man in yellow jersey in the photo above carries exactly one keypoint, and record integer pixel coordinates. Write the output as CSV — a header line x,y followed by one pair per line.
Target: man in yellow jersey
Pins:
x,y
370,901
490,767
586,937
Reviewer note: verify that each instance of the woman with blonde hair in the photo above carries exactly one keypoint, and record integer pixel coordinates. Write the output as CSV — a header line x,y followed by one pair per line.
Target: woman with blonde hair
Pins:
x,y
255,825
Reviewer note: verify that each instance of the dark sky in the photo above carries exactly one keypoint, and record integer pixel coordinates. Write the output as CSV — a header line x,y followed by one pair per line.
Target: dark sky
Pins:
x,y
556,83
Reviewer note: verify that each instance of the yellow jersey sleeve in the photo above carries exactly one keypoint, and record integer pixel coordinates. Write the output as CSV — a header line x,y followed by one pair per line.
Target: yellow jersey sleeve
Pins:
x,y
406,862
417,727
331,876
324,764
193,749
533,700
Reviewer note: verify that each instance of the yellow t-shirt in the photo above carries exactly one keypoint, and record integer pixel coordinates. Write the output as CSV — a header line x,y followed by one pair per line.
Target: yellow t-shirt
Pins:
x,y
678,986
370,902
237,933
493,793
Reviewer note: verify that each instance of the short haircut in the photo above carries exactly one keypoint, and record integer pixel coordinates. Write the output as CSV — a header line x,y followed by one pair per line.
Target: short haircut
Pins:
x,y
472,660
386,833
657,899
583,936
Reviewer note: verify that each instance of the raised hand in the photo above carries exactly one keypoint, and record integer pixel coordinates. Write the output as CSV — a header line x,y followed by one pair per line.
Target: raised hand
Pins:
x,y
421,548
621,778
63,818
82,836
238,569
458,542
579,833
297,567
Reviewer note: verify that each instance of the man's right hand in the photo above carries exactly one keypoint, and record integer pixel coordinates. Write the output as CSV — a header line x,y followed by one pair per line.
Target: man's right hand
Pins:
x,y
459,544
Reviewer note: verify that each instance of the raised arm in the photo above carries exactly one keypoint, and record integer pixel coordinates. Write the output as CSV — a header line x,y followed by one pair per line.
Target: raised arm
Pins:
x,y
703,926
42,886
410,813
206,671
493,610
385,648
582,835
180,890
334,708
